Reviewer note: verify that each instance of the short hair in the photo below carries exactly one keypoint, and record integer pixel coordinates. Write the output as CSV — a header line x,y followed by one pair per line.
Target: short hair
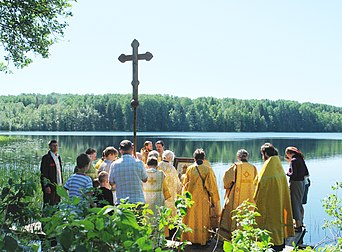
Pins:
x,y
110,150
82,161
168,153
268,149
138,155
160,142
90,151
153,153
147,143
126,145
53,141
242,154
102,176
199,154
152,161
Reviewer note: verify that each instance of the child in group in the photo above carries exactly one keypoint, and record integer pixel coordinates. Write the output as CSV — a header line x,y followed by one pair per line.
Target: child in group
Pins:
x,y
104,196
79,184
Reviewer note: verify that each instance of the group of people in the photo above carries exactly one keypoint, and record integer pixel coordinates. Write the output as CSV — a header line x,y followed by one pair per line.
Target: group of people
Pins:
x,y
279,203
149,177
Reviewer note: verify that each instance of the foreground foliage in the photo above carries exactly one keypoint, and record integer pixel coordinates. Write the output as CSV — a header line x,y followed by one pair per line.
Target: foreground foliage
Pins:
x,y
126,227
74,226
333,207
248,237
18,210
66,112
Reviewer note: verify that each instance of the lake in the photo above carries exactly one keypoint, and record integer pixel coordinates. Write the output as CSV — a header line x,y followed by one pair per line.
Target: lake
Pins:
x,y
323,155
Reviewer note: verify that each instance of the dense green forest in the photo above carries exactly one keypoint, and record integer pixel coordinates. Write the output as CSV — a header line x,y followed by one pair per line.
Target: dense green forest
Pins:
x,y
113,112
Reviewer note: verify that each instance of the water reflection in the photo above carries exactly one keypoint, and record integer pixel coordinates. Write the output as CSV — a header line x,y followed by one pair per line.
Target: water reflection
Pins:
x,y
217,151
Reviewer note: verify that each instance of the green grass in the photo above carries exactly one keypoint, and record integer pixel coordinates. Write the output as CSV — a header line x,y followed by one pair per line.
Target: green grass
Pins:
x,y
6,139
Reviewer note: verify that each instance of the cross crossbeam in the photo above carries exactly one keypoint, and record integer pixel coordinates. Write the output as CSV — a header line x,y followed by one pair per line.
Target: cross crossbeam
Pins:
x,y
146,56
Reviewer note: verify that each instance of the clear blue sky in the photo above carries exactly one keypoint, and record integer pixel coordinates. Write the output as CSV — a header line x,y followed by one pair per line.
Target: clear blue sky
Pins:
x,y
238,49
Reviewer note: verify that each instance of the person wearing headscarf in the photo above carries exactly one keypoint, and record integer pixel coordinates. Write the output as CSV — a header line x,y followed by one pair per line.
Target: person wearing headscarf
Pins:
x,y
238,181
171,179
272,198
297,173
200,181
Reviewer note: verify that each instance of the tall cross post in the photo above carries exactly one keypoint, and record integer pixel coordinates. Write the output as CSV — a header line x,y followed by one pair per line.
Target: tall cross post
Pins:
x,y
135,82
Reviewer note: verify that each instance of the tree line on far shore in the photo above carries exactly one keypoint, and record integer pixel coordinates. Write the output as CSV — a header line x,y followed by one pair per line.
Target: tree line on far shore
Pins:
x,y
113,112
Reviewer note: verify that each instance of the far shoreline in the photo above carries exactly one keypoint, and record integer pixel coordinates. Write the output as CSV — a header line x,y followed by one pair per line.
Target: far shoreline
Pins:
x,y
220,136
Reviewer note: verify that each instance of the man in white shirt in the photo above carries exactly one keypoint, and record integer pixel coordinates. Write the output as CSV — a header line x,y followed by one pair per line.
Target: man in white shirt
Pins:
x,y
51,174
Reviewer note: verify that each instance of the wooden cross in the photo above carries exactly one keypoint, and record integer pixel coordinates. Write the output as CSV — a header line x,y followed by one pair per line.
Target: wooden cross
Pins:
x,y
135,82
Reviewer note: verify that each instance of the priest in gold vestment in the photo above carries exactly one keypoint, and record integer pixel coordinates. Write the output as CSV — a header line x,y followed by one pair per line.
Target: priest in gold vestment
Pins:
x,y
200,181
272,198
145,150
171,180
238,181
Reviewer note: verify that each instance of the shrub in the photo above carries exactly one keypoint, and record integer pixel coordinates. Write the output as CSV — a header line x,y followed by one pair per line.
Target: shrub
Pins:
x,y
126,227
18,210
248,237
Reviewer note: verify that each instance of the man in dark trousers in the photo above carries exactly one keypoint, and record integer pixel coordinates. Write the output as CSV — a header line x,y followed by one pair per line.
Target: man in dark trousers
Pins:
x,y
51,174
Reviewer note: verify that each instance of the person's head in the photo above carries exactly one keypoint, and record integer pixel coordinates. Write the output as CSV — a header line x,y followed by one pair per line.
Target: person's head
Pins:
x,y
152,162
138,156
103,178
83,162
168,155
148,146
160,146
199,154
53,146
91,152
111,153
184,167
126,147
290,151
268,150
242,155
153,153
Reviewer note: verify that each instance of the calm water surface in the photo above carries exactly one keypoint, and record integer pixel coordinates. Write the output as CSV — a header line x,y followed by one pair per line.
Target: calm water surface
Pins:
x,y
323,154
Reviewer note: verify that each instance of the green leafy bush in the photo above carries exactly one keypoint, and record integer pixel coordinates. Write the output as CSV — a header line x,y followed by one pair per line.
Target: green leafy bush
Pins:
x,y
127,227
18,211
248,237
333,207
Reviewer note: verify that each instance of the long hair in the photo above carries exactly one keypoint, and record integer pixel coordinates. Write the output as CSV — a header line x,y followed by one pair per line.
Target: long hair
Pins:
x,y
269,150
293,150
